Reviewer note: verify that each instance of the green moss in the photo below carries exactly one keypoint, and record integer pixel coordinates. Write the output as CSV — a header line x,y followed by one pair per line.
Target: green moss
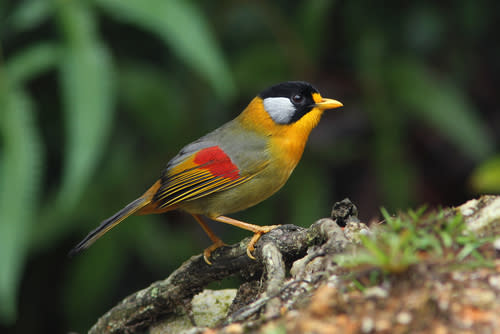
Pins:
x,y
154,292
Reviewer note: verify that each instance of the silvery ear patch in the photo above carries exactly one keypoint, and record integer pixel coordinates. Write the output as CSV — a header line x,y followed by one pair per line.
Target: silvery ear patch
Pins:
x,y
280,109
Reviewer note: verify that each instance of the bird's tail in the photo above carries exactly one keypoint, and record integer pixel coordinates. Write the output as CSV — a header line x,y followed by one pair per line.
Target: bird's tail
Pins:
x,y
108,224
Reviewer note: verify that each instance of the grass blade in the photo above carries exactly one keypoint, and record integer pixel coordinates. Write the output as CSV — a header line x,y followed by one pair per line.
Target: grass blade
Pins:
x,y
182,26
20,175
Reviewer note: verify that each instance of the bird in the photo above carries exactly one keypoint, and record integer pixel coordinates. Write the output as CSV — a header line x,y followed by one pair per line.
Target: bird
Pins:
x,y
234,167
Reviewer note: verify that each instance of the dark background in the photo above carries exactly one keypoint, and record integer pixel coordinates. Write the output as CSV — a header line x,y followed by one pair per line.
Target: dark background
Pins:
x,y
97,96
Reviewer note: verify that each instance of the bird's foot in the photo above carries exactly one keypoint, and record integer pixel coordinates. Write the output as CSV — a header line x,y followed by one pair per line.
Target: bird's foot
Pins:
x,y
261,230
208,251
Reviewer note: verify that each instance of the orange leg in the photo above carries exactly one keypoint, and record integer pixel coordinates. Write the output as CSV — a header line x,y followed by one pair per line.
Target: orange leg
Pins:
x,y
217,242
256,229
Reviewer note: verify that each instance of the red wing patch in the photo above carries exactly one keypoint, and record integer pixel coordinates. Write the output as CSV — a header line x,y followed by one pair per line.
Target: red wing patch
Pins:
x,y
208,171
217,162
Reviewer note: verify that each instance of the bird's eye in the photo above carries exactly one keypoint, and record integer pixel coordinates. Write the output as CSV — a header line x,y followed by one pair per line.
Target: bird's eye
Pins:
x,y
297,98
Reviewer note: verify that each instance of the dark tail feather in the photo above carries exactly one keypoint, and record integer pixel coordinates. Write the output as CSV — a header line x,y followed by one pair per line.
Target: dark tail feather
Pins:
x,y
108,224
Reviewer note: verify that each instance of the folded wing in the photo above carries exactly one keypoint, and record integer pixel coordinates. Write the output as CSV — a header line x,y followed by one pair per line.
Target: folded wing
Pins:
x,y
204,172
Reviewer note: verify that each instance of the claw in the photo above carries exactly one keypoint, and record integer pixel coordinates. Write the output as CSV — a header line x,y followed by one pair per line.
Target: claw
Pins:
x,y
256,237
249,254
256,229
206,255
208,251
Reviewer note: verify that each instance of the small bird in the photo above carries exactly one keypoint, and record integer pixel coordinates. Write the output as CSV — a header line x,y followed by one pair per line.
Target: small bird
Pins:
x,y
234,167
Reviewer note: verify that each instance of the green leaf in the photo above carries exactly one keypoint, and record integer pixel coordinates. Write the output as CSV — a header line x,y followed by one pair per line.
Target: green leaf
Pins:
x,y
86,82
374,249
32,61
447,239
468,248
20,164
441,104
182,26
29,14
486,177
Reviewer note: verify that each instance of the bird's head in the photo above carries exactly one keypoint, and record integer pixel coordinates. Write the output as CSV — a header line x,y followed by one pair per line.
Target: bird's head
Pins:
x,y
285,106
288,102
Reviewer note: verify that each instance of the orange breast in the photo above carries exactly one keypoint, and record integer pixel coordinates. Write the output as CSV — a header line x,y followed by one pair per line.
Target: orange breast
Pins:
x,y
286,141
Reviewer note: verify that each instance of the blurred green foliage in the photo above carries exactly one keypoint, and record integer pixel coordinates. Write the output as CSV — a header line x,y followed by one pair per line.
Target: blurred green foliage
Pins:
x,y
486,177
97,95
